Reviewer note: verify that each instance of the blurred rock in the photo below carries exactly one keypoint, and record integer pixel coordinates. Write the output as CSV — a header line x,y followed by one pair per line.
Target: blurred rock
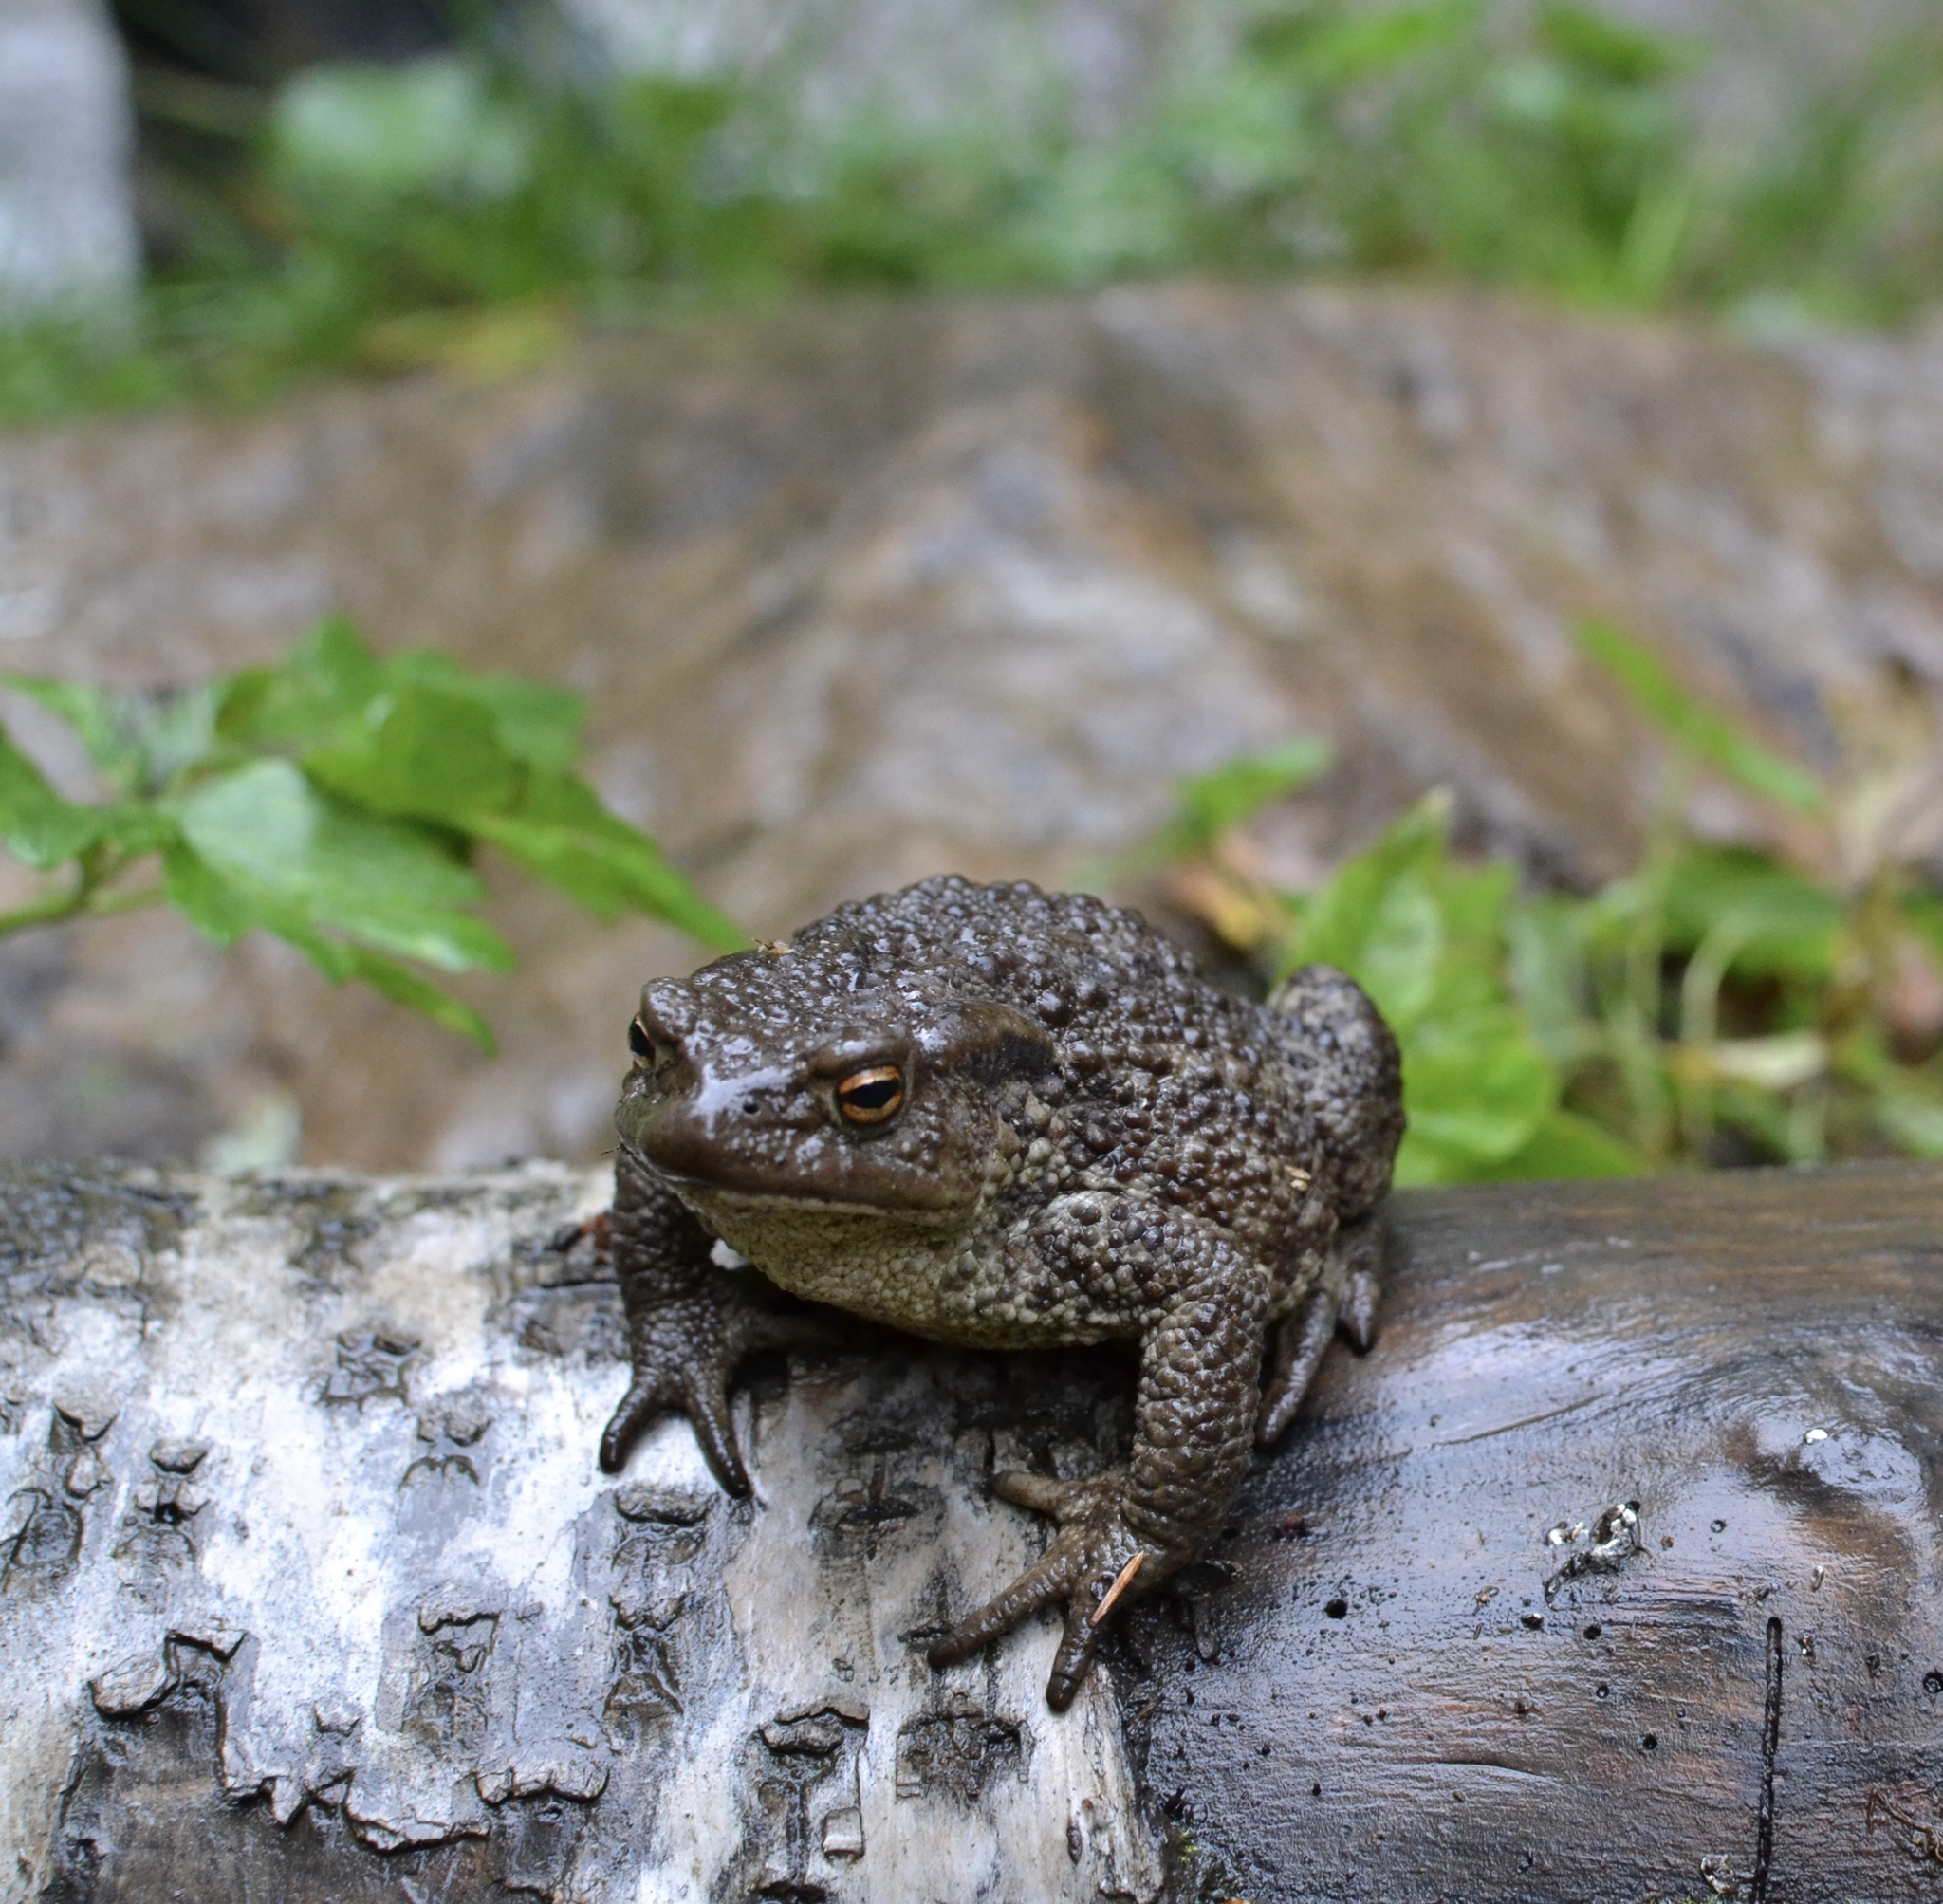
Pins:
x,y
67,234
862,592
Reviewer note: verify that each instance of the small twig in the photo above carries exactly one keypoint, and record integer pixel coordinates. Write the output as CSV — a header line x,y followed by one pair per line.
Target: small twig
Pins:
x,y
85,901
130,899
1119,1587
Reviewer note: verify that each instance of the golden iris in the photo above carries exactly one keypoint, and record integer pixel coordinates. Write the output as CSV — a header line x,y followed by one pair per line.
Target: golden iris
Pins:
x,y
873,1095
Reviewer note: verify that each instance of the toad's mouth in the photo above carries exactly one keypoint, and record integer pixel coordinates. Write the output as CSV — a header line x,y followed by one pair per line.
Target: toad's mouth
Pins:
x,y
729,1206
722,1184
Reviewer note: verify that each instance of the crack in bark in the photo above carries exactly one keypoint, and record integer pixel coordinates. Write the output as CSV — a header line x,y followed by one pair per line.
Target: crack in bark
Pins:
x,y
1770,1743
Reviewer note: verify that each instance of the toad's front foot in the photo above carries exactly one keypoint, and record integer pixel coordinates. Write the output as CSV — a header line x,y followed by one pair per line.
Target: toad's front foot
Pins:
x,y
1093,1564
685,1349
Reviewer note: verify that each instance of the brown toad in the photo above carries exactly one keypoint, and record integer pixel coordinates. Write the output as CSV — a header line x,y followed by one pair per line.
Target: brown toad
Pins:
x,y
1011,1118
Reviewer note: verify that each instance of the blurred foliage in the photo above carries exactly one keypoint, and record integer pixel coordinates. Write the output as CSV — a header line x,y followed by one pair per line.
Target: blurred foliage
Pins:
x,y
1717,1005
338,801
462,208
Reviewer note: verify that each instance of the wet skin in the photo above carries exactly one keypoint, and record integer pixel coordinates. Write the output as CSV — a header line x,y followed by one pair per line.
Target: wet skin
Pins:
x,y
1008,1118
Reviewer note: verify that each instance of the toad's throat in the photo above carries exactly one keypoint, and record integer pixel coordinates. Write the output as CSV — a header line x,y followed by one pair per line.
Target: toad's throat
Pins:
x,y
888,1264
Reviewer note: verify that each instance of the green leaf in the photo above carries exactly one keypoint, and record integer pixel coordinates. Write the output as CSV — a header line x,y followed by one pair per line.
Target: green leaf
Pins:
x,y
139,741
1210,804
405,986
223,909
1549,973
537,722
563,834
1567,1145
420,753
36,824
293,852
217,909
92,712
1207,805
1694,725
1402,952
1341,919
1475,1091
135,827
325,681
1785,926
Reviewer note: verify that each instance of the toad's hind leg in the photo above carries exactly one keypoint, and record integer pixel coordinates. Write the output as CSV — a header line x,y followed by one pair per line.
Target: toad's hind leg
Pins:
x,y
1120,1534
1344,1299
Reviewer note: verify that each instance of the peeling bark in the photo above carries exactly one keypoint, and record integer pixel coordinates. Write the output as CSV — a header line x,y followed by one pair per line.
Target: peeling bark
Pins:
x,y
1613,1572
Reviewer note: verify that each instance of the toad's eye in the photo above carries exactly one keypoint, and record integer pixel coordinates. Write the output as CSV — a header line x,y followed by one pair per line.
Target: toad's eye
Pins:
x,y
638,1042
872,1096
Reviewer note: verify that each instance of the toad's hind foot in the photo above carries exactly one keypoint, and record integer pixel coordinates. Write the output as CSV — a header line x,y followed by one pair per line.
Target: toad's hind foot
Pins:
x,y
1093,1562
1345,1301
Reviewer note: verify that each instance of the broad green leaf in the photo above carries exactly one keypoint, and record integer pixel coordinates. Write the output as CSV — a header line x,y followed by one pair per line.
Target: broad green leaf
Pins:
x,y
338,961
1785,926
1476,1089
139,741
537,721
36,824
327,680
92,713
1339,922
224,911
1703,729
135,827
217,909
1207,805
404,987
1566,1145
1398,963
420,753
563,834
1210,804
291,849
1546,970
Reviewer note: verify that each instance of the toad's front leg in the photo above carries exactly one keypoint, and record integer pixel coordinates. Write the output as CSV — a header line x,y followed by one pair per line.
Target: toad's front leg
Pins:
x,y
1125,1532
689,1321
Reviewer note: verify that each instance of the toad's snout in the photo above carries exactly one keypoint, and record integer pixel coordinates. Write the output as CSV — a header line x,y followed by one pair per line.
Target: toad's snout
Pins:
x,y
695,1126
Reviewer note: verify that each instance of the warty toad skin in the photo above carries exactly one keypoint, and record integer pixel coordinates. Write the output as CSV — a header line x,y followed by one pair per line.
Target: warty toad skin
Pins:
x,y
1009,1118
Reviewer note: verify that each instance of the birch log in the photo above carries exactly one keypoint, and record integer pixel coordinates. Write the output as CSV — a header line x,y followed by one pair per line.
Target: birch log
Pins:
x,y
1612,1573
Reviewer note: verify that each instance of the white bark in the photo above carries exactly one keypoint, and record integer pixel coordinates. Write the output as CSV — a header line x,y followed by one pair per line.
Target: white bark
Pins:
x,y
326,1449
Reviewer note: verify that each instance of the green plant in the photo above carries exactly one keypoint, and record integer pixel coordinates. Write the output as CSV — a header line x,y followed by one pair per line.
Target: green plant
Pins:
x,y
1732,1003
464,209
1714,1005
337,800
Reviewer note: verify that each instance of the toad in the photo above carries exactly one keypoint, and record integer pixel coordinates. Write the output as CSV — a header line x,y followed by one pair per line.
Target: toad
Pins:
x,y
1010,1120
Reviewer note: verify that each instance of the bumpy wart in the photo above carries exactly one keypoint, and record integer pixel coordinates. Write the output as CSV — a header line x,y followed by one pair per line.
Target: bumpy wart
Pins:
x,y
1009,1118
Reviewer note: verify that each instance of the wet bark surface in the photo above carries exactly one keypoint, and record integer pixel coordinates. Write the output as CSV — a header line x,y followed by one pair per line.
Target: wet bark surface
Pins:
x,y
1613,1572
